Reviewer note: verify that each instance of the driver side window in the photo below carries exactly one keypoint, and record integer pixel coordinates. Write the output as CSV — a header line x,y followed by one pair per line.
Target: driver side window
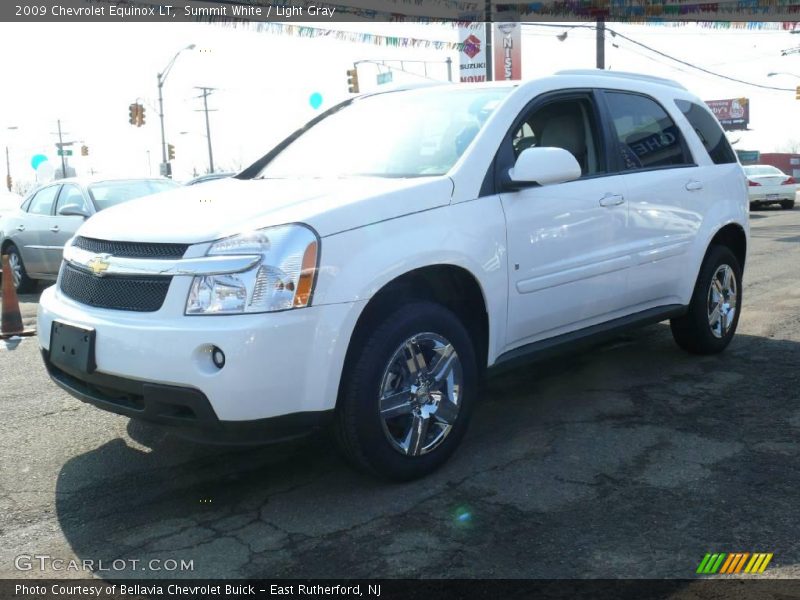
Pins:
x,y
71,194
568,124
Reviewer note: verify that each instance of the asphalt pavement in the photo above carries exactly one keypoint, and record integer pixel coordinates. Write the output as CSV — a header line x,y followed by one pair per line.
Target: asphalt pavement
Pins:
x,y
629,459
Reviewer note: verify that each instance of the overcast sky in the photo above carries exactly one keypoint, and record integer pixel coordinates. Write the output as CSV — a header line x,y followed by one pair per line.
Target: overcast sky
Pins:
x,y
87,75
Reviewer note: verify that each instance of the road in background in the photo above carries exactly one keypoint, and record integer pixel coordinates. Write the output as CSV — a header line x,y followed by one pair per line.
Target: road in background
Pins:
x,y
632,459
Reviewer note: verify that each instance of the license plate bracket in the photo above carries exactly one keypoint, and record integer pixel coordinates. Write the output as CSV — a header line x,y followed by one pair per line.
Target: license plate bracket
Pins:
x,y
72,348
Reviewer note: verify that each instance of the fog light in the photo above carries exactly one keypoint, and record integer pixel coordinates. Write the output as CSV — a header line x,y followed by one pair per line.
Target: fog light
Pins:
x,y
218,357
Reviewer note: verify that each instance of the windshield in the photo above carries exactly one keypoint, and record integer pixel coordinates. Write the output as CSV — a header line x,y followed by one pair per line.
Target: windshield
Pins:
x,y
109,193
763,170
413,133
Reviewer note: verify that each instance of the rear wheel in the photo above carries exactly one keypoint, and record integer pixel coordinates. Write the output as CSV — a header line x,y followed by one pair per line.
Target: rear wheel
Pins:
x,y
713,315
22,283
407,398
787,204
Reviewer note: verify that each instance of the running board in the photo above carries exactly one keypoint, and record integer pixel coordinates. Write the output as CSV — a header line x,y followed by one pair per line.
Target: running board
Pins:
x,y
590,335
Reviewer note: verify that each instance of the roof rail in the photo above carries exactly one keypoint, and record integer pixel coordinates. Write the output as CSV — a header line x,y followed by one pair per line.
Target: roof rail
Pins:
x,y
623,75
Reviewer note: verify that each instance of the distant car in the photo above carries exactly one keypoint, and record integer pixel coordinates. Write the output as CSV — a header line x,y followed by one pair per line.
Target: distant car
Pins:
x,y
9,202
33,235
770,185
208,177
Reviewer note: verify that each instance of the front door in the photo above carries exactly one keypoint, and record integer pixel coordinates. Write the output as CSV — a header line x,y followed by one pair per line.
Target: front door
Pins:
x,y
568,264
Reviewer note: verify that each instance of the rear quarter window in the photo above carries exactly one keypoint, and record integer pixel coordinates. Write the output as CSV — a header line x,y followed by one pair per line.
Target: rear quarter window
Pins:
x,y
709,131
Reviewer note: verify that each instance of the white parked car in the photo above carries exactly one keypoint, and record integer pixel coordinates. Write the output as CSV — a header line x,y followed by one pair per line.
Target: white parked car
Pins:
x,y
769,185
367,271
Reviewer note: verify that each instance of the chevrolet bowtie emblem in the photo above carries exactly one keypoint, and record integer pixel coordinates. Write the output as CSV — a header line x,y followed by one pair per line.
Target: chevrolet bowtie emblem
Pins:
x,y
99,264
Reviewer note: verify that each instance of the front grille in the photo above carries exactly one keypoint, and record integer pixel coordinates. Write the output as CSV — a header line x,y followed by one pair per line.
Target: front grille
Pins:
x,y
139,294
131,249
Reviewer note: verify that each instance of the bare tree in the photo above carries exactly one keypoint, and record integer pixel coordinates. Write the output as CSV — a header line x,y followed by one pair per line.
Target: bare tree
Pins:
x,y
791,146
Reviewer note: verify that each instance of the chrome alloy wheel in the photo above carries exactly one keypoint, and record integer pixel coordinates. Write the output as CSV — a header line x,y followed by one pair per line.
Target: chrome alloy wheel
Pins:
x,y
420,394
16,268
722,297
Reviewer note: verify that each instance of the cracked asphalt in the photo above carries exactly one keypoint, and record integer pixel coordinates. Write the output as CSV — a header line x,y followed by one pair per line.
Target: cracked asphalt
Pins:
x,y
628,459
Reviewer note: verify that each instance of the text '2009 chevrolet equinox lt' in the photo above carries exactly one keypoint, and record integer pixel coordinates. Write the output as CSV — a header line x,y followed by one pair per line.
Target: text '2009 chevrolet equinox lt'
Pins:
x,y
366,271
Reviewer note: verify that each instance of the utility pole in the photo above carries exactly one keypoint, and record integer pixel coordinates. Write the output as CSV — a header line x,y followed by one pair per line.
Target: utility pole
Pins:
x,y
601,43
8,171
449,69
62,152
206,91
489,57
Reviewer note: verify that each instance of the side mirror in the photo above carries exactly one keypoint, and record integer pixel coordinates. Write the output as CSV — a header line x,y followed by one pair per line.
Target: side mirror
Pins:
x,y
543,166
73,210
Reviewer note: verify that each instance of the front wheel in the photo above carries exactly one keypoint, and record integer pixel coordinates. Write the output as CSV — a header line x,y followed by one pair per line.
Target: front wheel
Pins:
x,y
406,401
22,283
710,323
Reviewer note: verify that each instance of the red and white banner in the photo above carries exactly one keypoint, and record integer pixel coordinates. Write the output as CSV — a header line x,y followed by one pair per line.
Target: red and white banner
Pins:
x,y
472,58
507,43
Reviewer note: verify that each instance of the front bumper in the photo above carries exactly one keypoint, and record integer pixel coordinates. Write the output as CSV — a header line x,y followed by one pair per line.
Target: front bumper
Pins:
x,y
183,410
276,363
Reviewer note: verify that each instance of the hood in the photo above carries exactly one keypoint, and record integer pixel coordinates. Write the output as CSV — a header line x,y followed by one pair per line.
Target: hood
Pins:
x,y
202,213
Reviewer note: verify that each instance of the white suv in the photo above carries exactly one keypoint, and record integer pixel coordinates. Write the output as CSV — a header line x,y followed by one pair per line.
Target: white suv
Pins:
x,y
368,270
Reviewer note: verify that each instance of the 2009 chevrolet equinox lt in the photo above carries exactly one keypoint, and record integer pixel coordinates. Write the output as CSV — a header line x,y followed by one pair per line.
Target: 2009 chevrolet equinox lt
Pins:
x,y
366,271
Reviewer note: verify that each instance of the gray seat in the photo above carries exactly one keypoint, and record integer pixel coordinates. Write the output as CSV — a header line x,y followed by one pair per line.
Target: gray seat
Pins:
x,y
567,132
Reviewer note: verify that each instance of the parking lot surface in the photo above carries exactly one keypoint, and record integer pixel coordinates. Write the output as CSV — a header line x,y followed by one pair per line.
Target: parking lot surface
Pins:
x,y
629,459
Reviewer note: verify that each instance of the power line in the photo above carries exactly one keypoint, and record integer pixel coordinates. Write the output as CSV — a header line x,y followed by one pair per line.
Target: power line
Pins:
x,y
673,58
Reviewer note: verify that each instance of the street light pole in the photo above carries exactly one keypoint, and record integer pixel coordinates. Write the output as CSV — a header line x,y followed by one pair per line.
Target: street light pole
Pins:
x,y
161,118
161,78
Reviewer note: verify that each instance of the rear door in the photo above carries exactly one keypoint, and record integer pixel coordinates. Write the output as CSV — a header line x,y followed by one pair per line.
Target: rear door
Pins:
x,y
61,227
667,195
31,233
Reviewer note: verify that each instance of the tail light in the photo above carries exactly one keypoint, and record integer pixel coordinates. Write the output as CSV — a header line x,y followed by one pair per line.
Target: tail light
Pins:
x,y
752,183
790,181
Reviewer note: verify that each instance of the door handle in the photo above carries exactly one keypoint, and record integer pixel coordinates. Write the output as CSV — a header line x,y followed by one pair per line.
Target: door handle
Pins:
x,y
20,227
612,200
54,229
693,186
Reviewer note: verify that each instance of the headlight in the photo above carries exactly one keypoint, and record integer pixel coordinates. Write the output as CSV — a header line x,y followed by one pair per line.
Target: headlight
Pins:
x,y
284,278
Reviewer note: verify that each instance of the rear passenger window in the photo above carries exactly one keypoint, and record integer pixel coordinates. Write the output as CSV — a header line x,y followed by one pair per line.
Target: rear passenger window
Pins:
x,y
709,131
648,138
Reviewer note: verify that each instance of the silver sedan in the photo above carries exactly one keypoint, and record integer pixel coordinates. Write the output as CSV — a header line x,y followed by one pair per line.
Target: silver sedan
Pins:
x,y
34,235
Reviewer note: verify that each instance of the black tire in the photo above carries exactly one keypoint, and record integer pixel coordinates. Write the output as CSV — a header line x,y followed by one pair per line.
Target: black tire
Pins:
x,y
25,285
360,429
787,204
693,331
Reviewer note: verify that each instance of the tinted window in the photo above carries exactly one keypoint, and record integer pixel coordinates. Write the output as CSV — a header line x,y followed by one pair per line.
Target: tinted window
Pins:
x,y
648,138
42,202
709,131
71,194
109,193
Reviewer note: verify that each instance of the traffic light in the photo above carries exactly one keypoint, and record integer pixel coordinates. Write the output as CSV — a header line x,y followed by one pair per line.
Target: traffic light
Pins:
x,y
84,150
170,152
352,80
140,116
797,93
8,182
133,111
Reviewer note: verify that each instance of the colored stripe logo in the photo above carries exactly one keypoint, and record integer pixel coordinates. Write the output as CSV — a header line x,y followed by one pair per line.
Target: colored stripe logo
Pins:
x,y
734,562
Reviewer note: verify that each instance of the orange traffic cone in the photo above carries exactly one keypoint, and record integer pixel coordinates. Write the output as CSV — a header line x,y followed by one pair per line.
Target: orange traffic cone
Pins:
x,y
11,323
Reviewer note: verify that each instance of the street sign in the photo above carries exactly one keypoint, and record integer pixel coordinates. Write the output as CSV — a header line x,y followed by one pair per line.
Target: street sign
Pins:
x,y
384,77
65,152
